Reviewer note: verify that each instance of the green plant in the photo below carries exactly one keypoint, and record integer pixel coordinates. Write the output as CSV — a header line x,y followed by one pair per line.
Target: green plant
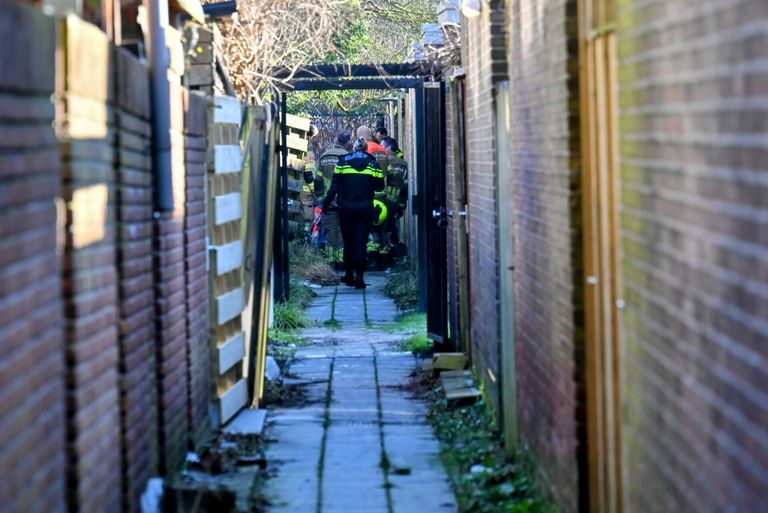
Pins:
x,y
484,477
419,343
402,286
289,317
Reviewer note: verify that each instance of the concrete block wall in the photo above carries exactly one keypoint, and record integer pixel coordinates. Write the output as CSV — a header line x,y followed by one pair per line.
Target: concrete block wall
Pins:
x,y
195,268
484,63
32,406
693,91
546,172
136,281
87,134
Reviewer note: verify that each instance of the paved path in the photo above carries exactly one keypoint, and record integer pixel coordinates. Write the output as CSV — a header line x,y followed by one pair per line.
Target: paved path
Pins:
x,y
358,444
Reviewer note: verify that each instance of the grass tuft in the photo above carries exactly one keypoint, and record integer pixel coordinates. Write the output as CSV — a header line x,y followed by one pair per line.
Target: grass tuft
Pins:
x,y
419,344
309,263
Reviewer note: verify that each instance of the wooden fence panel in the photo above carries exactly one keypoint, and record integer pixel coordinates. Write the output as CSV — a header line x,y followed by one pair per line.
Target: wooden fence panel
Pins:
x,y
32,402
226,282
90,277
138,398
195,237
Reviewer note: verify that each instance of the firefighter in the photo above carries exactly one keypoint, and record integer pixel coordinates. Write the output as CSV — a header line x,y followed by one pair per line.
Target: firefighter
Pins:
x,y
356,178
380,240
375,149
330,230
396,190
380,134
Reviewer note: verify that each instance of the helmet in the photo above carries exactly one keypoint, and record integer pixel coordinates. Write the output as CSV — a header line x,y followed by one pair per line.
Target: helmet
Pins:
x,y
380,212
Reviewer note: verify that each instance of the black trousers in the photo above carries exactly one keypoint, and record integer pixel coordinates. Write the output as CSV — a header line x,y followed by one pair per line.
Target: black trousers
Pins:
x,y
355,227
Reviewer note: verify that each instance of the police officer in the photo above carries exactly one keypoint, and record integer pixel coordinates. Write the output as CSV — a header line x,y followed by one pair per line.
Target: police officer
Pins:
x,y
330,230
356,178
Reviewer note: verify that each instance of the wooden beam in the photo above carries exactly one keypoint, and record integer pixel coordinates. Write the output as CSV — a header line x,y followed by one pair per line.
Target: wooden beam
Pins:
x,y
231,352
227,109
228,207
233,400
228,257
227,158
229,305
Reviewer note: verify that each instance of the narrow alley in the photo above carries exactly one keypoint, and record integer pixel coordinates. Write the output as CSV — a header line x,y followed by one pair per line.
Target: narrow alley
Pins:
x,y
560,208
357,441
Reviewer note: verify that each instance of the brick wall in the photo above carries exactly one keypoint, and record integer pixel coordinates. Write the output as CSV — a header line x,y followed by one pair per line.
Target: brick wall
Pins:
x,y
195,130
693,93
32,407
545,166
86,130
136,282
484,62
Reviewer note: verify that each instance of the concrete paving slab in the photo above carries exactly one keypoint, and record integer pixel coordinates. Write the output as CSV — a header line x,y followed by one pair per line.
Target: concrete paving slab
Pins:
x,y
247,422
370,410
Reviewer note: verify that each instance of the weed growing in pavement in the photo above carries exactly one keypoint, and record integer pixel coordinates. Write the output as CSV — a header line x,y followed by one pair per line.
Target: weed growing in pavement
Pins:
x,y
332,324
485,479
402,286
419,344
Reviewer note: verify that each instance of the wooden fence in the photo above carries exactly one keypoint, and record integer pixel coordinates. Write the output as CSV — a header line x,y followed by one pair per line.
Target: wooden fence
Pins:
x,y
127,335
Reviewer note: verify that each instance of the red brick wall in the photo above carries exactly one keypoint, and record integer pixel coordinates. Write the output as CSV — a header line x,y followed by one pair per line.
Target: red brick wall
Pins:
x,y
86,122
694,158
484,62
545,166
136,281
196,128
32,406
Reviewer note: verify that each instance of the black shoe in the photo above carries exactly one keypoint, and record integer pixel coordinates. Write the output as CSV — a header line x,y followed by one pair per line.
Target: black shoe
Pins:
x,y
348,280
360,284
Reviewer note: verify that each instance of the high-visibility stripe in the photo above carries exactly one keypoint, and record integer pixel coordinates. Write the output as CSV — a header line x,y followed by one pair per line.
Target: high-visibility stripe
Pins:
x,y
349,170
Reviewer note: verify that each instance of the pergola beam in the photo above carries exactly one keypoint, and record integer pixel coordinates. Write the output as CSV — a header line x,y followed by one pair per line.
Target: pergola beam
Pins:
x,y
346,84
408,69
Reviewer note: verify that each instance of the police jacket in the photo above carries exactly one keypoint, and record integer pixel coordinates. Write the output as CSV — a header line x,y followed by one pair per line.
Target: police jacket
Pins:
x,y
356,178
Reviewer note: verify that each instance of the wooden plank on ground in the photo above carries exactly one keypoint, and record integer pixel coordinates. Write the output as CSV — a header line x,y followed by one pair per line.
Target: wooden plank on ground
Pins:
x,y
228,207
227,158
228,257
229,305
226,109
233,400
449,361
231,352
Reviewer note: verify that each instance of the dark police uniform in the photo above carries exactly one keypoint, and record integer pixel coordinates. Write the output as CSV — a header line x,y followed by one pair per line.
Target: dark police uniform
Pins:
x,y
356,179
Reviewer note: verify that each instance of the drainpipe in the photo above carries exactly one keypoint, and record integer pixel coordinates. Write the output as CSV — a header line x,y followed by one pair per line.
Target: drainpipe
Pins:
x,y
159,60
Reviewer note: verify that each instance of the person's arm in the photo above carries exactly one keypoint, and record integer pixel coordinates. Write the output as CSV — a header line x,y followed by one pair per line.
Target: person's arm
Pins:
x,y
334,189
378,176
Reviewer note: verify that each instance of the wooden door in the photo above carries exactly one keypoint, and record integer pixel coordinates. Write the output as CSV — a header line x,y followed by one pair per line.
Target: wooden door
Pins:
x,y
602,254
